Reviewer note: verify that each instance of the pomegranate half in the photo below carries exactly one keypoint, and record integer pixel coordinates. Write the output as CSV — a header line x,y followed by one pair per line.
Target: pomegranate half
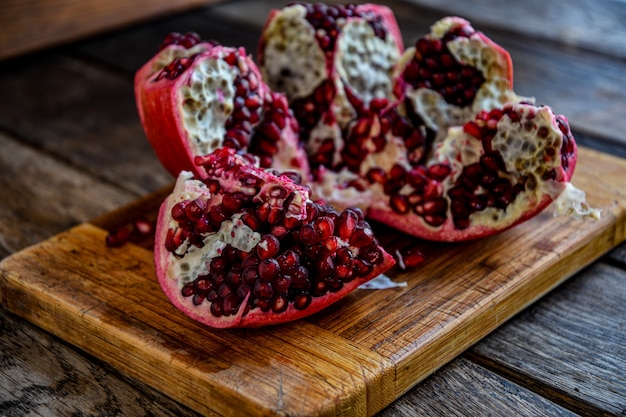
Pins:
x,y
244,246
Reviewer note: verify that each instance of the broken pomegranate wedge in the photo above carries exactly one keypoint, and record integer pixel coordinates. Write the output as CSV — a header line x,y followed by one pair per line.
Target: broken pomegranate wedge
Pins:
x,y
194,97
452,74
244,246
319,54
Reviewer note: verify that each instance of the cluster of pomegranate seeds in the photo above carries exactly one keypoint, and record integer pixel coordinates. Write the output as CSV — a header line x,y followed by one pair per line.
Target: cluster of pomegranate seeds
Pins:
x,y
325,19
186,40
309,110
139,226
296,259
267,135
175,68
434,67
568,148
248,104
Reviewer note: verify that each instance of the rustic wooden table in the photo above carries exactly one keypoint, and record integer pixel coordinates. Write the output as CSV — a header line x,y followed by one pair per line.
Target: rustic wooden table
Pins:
x,y
72,148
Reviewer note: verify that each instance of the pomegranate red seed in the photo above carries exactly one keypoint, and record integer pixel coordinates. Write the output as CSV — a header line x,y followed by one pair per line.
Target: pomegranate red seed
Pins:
x,y
263,290
288,261
268,247
269,269
308,235
118,237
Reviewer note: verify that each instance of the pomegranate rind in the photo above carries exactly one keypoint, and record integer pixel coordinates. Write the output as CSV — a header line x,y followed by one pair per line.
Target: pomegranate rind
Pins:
x,y
188,187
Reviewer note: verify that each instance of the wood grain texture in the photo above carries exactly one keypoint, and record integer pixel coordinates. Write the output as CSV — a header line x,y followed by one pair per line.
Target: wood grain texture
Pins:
x,y
463,388
107,302
43,376
122,316
549,348
34,209
27,26
593,25
83,115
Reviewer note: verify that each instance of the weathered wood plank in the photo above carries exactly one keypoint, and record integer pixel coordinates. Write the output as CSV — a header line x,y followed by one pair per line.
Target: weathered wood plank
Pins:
x,y
594,25
83,115
42,196
619,255
570,345
129,49
43,376
462,388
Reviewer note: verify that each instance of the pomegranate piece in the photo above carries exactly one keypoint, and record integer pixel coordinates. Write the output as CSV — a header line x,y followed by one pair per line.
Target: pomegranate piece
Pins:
x,y
194,97
318,54
244,247
499,169
453,73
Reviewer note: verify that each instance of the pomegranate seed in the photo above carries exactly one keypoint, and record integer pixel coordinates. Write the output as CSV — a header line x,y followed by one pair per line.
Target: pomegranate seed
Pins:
x,y
324,227
178,211
409,258
197,299
263,290
195,209
472,128
288,261
308,235
250,275
118,237
302,302
377,175
269,269
362,267
142,226
281,284
438,171
399,203
268,247
279,304
188,289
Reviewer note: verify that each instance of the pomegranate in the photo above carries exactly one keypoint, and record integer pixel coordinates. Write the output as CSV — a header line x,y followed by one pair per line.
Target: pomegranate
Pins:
x,y
194,97
446,151
244,246
318,54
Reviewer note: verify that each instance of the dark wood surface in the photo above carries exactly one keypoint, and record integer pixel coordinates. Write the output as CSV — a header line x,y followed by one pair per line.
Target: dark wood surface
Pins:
x,y
72,149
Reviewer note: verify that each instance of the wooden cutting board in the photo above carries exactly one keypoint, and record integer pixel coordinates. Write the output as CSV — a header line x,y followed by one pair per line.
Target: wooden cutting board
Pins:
x,y
352,359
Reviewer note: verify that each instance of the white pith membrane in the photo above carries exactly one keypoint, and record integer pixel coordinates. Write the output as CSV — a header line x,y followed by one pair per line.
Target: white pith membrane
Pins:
x,y
473,51
207,102
364,63
290,45
193,261
172,52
